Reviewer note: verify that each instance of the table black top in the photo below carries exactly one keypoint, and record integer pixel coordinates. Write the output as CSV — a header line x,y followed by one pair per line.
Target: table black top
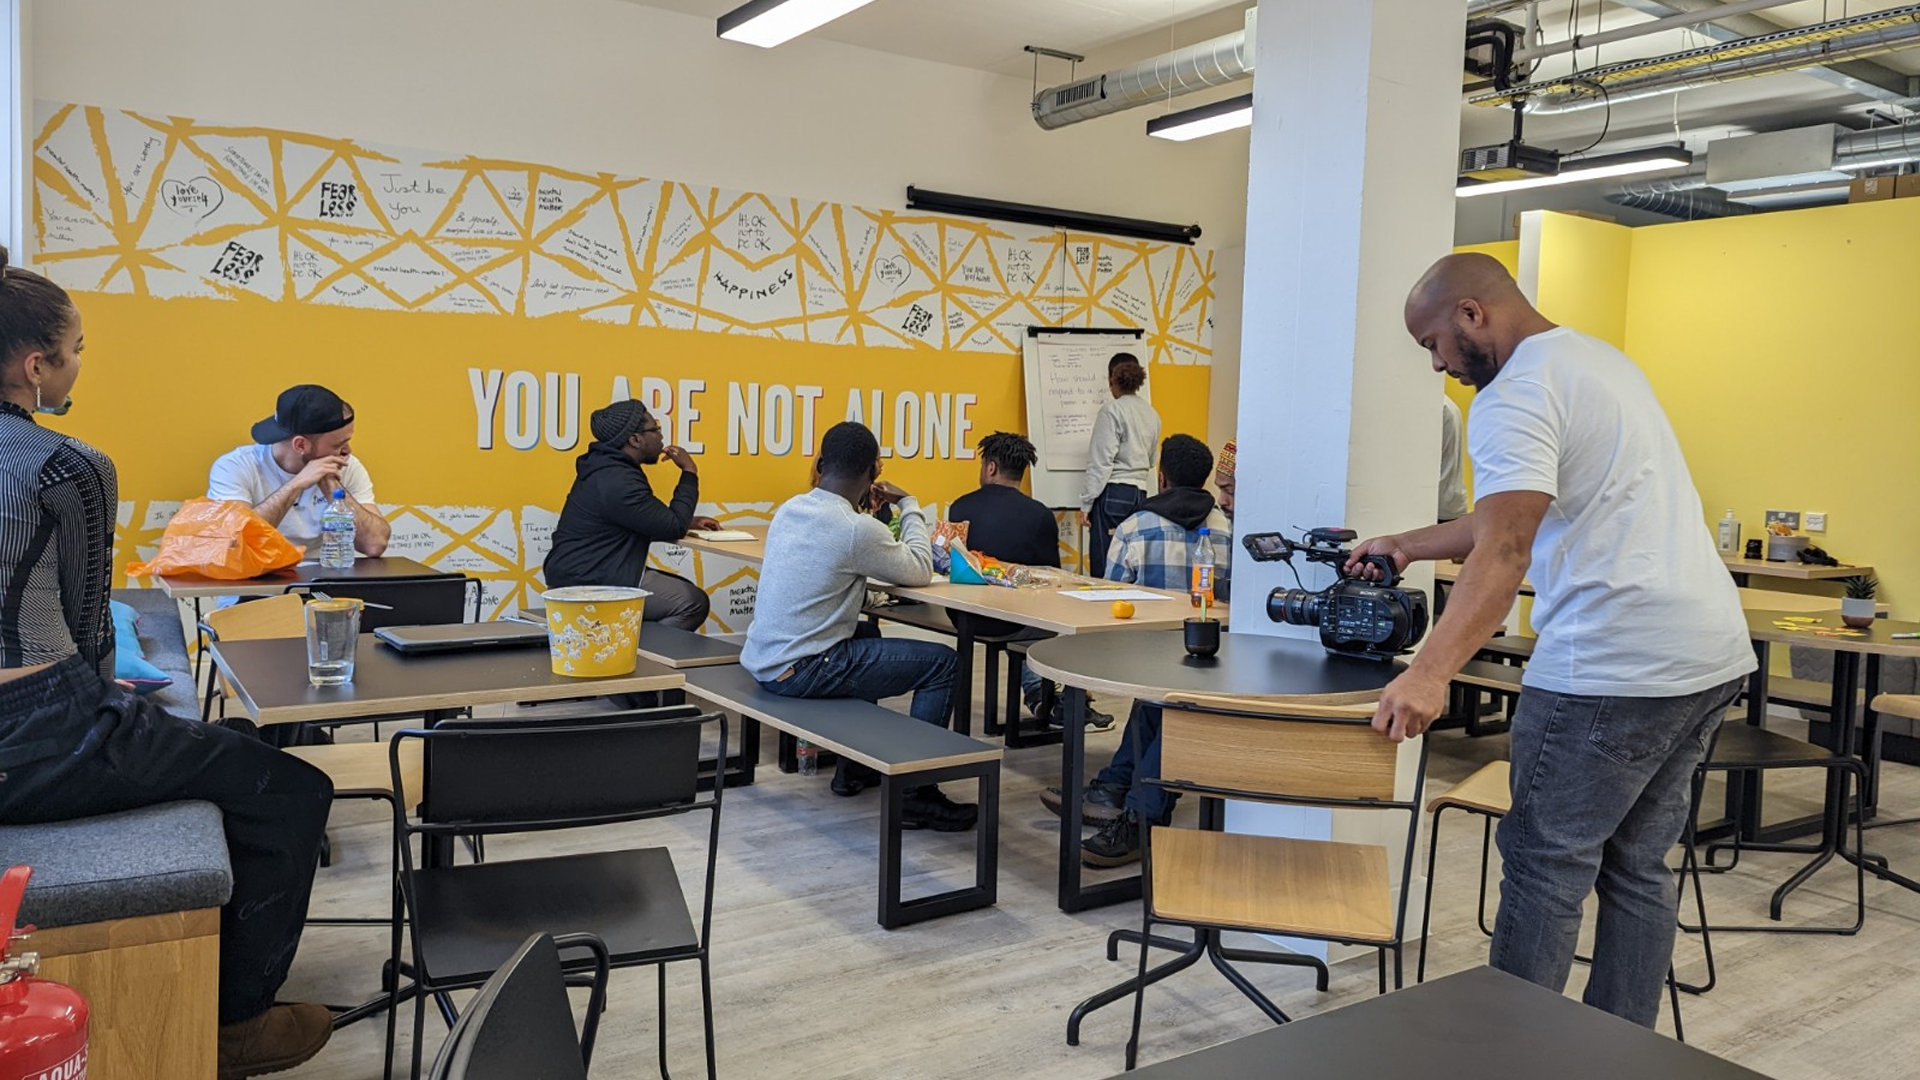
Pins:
x,y
1153,665
1478,1025
271,679
380,568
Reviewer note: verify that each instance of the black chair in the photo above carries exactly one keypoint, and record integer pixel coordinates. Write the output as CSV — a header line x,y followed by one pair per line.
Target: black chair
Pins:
x,y
521,1024
493,777
424,601
1749,750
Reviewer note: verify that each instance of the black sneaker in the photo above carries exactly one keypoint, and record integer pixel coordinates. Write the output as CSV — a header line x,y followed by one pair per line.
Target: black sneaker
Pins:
x,y
1096,720
1116,844
929,808
850,778
1103,802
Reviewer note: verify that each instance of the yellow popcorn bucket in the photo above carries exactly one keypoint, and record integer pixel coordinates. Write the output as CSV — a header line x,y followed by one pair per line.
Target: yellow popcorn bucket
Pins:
x,y
594,630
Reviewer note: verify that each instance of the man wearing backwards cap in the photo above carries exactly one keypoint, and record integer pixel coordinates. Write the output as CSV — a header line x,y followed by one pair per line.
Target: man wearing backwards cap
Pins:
x,y
612,516
299,457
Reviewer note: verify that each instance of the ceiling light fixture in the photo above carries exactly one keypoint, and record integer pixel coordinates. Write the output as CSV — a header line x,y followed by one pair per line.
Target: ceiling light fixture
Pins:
x,y
767,23
1070,221
1630,163
1210,119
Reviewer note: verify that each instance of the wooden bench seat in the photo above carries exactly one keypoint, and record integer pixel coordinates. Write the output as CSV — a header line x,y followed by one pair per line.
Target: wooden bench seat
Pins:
x,y
905,752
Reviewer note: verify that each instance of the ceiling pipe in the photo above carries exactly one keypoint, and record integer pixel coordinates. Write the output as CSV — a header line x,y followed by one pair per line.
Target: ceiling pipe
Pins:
x,y
1644,29
1866,78
1787,50
1217,62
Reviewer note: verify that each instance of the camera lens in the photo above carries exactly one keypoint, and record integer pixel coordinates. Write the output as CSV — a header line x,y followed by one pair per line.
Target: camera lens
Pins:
x,y
1297,607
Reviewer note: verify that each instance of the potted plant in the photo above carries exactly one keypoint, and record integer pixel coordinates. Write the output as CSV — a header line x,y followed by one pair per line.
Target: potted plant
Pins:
x,y
1858,609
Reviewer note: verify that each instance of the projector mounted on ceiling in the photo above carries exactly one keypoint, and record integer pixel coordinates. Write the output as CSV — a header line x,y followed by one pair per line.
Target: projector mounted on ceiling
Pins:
x,y
1512,160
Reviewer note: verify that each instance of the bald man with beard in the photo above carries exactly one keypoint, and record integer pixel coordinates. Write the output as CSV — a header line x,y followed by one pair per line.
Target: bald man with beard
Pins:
x,y
1642,644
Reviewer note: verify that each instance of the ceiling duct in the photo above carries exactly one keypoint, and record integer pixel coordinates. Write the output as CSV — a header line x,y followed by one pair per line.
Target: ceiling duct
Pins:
x,y
1689,194
1216,62
1765,54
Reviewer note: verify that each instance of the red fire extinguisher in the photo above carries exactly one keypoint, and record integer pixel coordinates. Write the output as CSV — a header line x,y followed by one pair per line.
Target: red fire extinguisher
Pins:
x,y
43,1024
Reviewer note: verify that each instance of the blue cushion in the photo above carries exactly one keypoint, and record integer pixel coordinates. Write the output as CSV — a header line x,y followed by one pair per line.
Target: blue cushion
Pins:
x,y
129,659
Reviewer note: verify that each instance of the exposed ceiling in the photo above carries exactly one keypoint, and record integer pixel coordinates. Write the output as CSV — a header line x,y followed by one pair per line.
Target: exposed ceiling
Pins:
x,y
987,34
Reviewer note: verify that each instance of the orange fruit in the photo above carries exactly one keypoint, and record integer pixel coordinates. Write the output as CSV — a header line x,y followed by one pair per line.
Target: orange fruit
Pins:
x,y
1123,609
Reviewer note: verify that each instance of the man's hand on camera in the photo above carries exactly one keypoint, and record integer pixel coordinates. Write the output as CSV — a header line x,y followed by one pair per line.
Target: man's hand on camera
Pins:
x,y
1379,545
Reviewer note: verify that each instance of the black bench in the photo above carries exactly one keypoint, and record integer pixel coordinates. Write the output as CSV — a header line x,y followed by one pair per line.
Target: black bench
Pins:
x,y
904,751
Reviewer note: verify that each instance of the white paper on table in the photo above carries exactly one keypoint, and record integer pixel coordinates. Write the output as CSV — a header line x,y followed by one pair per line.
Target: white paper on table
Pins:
x,y
1112,594
722,536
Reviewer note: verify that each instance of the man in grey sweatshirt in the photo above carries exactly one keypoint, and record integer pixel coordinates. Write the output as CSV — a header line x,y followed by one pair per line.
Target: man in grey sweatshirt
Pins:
x,y
807,639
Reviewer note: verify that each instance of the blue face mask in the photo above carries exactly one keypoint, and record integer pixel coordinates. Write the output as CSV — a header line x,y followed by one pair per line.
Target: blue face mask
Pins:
x,y
51,410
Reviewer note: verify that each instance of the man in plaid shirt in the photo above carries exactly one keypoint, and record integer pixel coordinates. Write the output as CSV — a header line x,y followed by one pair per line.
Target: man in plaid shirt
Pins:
x,y
1154,549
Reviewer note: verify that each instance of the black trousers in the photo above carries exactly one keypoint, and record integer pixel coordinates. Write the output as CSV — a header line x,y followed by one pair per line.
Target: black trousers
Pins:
x,y
1116,504
73,745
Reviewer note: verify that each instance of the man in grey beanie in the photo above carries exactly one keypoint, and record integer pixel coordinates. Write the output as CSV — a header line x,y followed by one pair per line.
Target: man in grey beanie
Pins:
x,y
612,517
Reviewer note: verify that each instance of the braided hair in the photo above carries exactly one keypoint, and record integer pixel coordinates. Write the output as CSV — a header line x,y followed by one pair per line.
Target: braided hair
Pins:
x,y
34,314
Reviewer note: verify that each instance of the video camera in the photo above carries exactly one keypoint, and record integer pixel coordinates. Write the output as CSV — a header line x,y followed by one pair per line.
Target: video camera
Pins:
x,y
1356,617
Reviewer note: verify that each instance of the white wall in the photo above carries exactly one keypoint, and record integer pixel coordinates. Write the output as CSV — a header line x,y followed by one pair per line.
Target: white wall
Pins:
x,y
606,84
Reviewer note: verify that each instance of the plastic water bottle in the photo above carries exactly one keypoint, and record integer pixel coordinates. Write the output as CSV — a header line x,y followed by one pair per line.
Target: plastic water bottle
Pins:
x,y
336,534
807,756
1201,589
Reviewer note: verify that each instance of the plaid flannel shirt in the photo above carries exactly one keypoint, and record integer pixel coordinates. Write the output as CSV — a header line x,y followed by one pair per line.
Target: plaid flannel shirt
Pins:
x,y
1153,552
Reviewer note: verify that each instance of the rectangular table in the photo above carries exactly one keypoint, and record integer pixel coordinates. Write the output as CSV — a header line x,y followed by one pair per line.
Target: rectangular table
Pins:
x,y
1039,609
1477,1025
269,678
383,568
1743,568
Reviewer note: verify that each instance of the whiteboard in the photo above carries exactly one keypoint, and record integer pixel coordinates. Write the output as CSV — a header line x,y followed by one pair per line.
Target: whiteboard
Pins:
x,y
1066,384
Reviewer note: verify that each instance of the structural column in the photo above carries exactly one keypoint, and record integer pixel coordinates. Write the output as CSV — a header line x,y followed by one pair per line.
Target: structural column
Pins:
x,y
1349,198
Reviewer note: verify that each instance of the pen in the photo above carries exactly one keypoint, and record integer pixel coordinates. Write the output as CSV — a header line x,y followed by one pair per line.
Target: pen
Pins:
x,y
1907,636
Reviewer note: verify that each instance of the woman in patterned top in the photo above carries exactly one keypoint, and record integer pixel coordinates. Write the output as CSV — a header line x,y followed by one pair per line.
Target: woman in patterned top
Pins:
x,y
74,743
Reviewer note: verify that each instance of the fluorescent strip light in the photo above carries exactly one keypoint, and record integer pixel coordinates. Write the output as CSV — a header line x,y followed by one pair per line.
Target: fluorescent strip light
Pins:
x,y
767,23
1598,168
1210,119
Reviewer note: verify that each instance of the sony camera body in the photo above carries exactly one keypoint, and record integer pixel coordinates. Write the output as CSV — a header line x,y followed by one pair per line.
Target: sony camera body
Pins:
x,y
1356,617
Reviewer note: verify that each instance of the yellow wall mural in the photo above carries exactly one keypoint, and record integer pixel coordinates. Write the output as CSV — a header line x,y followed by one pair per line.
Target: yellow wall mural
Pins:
x,y
474,312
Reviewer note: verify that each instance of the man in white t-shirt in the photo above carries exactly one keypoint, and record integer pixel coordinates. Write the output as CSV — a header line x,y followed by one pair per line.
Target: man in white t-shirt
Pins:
x,y
1642,641
299,457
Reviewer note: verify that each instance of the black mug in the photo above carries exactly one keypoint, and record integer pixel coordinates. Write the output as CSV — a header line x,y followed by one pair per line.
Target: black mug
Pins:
x,y
1753,549
1203,637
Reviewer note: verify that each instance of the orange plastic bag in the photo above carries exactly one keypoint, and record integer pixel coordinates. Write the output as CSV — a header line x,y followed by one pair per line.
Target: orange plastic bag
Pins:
x,y
222,540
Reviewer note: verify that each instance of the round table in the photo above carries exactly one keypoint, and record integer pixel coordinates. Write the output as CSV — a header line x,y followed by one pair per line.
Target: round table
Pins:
x,y
1153,665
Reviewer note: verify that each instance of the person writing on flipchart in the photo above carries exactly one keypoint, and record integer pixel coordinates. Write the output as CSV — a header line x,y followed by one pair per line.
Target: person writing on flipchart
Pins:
x,y
1120,458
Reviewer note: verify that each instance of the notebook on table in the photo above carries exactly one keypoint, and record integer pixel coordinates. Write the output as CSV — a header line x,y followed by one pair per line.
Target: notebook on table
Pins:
x,y
461,637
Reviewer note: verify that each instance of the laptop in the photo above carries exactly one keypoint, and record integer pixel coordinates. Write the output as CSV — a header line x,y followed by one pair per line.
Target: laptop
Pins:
x,y
461,637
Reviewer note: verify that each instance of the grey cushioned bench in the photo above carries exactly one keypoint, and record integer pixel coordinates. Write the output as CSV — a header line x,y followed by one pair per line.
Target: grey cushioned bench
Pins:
x,y
904,751
150,861
126,909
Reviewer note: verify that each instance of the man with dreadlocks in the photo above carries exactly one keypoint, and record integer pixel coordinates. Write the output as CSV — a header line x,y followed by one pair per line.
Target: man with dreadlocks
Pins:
x,y
1006,523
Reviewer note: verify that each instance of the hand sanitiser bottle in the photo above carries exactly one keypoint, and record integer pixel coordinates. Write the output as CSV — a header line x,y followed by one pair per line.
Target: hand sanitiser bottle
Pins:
x,y
1729,535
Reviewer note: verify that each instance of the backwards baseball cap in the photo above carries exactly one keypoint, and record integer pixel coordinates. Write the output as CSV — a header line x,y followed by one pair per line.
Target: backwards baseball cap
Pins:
x,y
303,410
618,422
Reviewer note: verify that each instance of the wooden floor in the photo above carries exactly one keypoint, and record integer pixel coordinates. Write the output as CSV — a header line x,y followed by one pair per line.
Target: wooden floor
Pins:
x,y
806,984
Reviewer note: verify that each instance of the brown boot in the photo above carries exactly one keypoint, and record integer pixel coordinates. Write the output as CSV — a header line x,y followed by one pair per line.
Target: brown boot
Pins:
x,y
274,1041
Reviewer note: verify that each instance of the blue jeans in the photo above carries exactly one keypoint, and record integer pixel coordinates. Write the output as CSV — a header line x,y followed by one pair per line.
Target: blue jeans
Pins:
x,y
871,668
1151,802
1601,790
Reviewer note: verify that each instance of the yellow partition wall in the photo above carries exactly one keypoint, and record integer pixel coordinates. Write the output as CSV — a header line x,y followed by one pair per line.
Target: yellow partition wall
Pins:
x,y
1786,349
